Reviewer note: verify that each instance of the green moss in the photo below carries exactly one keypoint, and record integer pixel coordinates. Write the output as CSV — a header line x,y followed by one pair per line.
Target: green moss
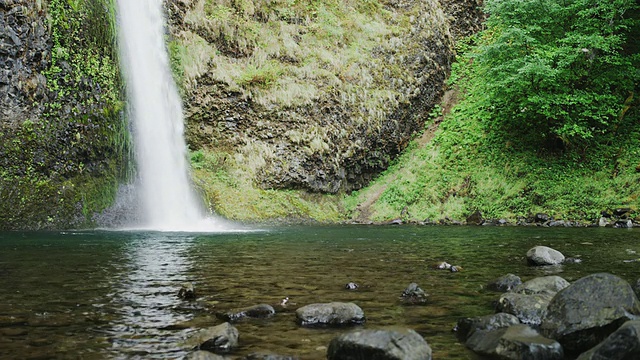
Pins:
x,y
60,169
468,166
232,195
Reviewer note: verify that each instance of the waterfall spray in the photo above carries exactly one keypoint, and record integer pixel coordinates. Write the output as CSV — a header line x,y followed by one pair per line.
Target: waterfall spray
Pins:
x,y
155,111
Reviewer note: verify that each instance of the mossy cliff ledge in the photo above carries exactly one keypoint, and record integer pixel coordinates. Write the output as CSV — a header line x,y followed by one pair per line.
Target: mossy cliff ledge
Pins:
x,y
307,95
62,135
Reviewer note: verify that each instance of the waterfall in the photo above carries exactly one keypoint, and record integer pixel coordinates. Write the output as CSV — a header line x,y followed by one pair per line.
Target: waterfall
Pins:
x,y
167,201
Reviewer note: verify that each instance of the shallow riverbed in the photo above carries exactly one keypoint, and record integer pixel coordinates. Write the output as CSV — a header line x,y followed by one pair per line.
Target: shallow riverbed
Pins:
x,y
108,294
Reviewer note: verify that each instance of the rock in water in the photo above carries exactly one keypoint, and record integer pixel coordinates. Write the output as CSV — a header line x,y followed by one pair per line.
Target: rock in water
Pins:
x,y
589,310
218,339
413,294
623,344
529,309
516,342
541,285
379,345
261,311
504,283
467,326
543,255
187,292
331,314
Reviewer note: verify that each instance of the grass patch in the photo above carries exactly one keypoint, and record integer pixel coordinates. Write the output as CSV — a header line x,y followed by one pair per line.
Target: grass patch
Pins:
x,y
231,194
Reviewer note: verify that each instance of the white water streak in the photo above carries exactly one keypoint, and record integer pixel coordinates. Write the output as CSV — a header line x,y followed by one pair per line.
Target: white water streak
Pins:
x,y
155,110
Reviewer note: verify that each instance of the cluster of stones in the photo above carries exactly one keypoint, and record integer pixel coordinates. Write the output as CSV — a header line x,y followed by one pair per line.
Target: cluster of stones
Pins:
x,y
403,344
617,218
549,318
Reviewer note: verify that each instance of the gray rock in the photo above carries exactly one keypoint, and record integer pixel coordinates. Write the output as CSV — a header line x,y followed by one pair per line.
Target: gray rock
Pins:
x,y
261,311
187,292
541,218
623,344
335,313
379,345
204,355
529,309
259,356
623,224
545,284
515,342
522,342
543,255
504,283
467,326
589,310
413,294
218,339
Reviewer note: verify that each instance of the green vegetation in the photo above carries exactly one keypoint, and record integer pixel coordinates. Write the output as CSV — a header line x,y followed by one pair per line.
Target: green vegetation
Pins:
x,y
548,120
232,196
62,167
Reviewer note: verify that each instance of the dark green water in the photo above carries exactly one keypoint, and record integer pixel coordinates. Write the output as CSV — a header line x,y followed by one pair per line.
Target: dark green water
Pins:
x,y
97,295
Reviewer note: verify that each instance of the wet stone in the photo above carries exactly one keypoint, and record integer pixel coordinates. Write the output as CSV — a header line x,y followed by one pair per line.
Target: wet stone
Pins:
x,y
261,311
413,294
330,314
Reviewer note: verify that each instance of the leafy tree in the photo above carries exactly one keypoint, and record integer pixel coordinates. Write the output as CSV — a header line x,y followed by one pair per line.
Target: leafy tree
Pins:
x,y
561,73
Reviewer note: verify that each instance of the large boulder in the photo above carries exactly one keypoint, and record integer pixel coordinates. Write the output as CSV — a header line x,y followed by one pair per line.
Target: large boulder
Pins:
x,y
543,255
529,309
623,344
335,313
218,339
379,345
589,310
467,326
261,311
504,283
542,285
515,342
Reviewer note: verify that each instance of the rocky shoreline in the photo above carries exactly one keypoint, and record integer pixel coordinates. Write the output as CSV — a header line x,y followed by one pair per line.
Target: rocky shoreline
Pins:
x,y
546,317
625,218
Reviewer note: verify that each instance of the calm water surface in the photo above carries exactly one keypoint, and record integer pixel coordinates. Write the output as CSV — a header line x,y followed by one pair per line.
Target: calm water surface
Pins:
x,y
112,295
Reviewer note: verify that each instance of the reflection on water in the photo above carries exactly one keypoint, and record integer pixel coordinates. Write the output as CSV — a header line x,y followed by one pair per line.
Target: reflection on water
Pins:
x,y
145,295
97,295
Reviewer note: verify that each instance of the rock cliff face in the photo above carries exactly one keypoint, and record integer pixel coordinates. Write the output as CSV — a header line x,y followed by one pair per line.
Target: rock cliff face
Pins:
x,y
24,52
60,119
318,96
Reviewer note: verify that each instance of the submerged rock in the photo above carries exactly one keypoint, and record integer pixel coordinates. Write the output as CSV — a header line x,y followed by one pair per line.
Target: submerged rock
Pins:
x,y
504,283
467,326
529,309
331,314
379,345
413,294
543,255
516,342
261,311
187,292
589,310
218,339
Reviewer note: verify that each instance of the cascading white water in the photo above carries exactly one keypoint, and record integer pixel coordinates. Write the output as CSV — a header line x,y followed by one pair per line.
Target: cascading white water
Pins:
x,y
155,110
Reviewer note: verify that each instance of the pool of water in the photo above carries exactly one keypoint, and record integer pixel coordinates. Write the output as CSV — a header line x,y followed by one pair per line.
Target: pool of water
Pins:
x,y
101,294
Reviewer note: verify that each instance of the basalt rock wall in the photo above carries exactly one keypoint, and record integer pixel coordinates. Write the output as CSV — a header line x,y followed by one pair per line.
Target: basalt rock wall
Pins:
x,y
319,96
62,135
